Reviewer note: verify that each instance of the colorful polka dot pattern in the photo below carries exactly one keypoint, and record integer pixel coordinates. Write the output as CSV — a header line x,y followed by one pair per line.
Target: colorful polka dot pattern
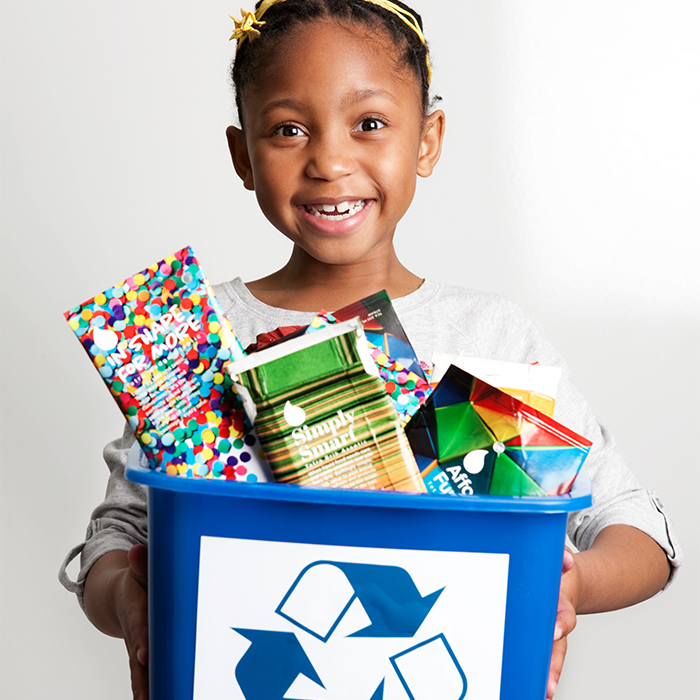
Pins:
x,y
407,390
160,341
322,319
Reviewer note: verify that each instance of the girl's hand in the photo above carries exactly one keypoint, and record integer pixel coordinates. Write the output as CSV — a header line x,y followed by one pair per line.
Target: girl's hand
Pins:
x,y
566,618
116,602
623,566
134,618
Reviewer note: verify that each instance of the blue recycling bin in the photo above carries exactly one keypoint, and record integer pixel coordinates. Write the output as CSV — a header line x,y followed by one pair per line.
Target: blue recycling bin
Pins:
x,y
266,591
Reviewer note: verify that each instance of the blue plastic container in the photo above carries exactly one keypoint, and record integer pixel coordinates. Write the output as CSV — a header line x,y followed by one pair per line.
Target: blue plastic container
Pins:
x,y
530,531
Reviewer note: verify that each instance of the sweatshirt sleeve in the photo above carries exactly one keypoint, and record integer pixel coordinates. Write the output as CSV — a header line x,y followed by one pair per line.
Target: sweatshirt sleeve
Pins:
x,y
618,497
491,326
118,523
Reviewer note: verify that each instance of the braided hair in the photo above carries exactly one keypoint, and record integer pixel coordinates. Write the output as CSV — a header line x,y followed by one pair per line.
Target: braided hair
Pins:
x,y
283,17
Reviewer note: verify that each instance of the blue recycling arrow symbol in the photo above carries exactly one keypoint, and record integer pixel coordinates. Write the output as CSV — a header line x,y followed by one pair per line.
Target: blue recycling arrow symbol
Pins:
x,y
378,694
271,663
387,593
395,608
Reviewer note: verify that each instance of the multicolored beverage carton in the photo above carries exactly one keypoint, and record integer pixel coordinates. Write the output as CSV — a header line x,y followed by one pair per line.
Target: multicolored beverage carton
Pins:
x,y
160,341
322,413
472,438
533,384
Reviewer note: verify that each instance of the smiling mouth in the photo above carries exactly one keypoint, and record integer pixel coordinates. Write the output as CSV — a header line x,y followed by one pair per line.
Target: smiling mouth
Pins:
x,y
336,212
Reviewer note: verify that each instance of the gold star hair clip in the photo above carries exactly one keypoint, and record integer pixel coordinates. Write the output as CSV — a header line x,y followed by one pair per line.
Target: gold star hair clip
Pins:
x,y
245,27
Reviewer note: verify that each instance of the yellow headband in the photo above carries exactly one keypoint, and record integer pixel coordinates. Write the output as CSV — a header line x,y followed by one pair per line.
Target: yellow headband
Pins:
x,y
245,28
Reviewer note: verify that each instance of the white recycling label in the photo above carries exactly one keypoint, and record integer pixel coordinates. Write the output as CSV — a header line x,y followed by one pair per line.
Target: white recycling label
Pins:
x,y
288,621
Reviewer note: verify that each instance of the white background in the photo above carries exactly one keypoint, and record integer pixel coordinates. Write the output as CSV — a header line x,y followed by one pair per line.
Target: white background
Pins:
x,y
569,182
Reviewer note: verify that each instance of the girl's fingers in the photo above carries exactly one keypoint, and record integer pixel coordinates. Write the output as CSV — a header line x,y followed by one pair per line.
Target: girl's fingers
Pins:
x,y
138,561
139,678
566,621
134,621
568,562
556,665
136,634
568,595
136,638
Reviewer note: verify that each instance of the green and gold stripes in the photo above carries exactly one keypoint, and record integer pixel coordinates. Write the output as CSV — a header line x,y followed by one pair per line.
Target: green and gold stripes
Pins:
x,y
323,420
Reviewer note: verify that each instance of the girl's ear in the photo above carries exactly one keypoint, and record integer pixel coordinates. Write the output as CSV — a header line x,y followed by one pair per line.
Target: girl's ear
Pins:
x,y
431,142
239,155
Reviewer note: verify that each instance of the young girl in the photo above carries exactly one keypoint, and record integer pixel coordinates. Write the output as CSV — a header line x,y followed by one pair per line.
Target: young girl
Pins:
x,y
336,122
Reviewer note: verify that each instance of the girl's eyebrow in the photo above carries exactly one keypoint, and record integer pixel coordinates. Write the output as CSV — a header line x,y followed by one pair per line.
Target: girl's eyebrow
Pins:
x,y
281,104
367,93
350,99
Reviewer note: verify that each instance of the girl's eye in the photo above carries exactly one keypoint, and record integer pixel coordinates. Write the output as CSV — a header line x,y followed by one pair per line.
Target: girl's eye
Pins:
x,y
289,130
371,124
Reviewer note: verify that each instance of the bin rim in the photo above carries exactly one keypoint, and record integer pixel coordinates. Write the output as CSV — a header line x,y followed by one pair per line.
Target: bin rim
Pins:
x,y
350,497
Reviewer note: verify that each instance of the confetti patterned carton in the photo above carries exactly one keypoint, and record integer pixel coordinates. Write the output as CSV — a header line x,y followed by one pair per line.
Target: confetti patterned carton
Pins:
x,y
160,341
323,415
404,379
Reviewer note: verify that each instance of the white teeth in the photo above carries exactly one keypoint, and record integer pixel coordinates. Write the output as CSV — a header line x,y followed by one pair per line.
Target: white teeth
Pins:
x,y
330,212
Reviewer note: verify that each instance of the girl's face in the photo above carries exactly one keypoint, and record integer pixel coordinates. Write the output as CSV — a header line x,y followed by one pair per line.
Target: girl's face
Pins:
x,y
334,136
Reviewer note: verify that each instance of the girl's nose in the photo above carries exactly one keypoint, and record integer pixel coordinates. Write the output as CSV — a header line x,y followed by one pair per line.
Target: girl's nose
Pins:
x,y
329,159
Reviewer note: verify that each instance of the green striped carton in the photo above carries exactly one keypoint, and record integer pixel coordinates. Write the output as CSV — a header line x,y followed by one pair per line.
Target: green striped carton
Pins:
x,y
322,414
